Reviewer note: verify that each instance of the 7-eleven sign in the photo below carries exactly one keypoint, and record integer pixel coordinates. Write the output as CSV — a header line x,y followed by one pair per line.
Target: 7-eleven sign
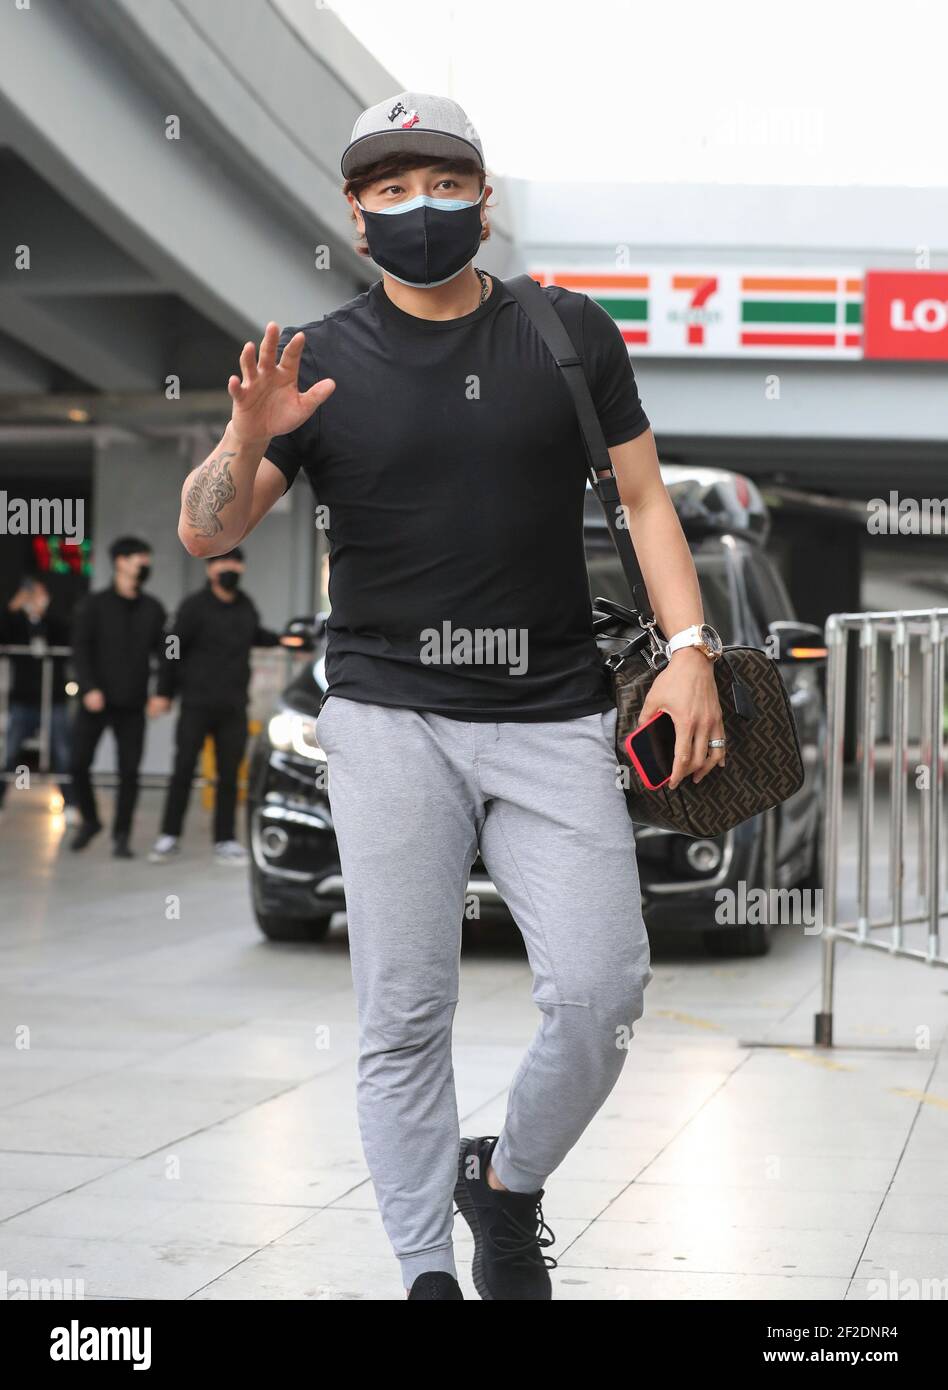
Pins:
x,y
728,311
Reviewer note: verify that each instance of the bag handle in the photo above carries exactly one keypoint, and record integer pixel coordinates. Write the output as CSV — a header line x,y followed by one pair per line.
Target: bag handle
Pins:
x,y
552,330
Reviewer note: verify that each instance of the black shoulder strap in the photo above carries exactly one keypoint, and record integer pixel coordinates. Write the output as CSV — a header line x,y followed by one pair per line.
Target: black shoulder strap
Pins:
x,y
552,330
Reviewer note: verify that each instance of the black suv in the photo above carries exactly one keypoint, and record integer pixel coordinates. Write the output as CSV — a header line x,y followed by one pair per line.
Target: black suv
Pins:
x,y
296,880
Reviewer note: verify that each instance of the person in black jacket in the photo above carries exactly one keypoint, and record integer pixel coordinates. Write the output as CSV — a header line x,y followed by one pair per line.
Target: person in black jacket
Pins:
x,y
26,622
209,672
116,633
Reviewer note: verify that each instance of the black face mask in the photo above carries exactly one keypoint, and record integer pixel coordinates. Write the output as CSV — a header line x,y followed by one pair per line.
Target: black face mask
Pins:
x,y
229,580
142,576
425,242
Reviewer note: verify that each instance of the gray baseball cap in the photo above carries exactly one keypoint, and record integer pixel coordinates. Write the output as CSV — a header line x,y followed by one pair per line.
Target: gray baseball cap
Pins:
x,y
412,123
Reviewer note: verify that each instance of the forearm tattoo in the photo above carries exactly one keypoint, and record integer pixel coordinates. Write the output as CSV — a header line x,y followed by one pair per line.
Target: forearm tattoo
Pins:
x,y
209,494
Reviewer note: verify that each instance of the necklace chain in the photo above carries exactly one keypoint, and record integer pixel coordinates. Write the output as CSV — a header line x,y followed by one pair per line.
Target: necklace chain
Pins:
x,y
485,285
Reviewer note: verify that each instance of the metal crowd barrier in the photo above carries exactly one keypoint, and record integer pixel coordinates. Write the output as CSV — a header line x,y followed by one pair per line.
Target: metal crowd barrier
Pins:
x,y
46,656
271,668
911,641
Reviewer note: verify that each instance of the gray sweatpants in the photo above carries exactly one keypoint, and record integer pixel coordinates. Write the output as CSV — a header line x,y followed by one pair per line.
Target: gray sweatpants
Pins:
x,y
413,796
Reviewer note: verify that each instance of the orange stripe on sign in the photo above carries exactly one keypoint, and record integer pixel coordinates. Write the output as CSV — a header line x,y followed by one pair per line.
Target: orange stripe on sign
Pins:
x,y
788,282
689,282
788,340
854,287
596,280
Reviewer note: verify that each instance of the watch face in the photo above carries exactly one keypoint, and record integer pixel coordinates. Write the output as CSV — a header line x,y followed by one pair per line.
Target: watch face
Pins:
x,y
711,641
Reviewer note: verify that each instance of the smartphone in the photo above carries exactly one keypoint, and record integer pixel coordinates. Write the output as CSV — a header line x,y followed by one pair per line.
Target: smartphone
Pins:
x,y
651,750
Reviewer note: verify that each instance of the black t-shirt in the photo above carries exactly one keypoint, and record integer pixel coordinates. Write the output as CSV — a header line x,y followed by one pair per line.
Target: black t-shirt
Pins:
x,y
450,463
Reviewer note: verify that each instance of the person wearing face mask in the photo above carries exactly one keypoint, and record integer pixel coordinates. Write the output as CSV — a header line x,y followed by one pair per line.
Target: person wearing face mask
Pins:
x,y
117,635
208,671
443,447
27,622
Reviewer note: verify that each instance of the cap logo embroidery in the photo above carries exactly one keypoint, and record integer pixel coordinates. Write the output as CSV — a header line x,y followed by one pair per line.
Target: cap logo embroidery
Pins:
x,y
400,109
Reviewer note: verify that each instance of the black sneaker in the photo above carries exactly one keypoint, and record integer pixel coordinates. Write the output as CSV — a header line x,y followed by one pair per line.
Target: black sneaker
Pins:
x,y
121,849
437,1286
87,831
509,1231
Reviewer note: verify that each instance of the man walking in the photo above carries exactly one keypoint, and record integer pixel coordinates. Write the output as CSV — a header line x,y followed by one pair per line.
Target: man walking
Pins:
x,y
117,634
209,672
467,709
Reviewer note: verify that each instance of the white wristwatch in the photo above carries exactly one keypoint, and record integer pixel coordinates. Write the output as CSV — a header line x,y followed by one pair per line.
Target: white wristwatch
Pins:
x,y
700,635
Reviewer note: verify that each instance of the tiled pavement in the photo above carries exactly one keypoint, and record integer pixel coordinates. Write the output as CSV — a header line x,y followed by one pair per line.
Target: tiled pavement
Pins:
x,y
182,1123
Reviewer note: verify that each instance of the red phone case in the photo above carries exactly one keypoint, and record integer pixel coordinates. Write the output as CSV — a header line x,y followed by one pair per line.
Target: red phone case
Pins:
x,y
630,750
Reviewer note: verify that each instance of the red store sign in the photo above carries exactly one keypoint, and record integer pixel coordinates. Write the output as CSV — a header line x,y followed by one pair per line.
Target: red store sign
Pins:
x,y
905,314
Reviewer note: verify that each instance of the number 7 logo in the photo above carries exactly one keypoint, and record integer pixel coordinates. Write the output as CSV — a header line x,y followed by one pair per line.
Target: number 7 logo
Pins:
x,y
702,287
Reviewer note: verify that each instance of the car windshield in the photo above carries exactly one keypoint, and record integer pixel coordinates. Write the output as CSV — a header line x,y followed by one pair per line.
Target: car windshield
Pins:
x,y
712,563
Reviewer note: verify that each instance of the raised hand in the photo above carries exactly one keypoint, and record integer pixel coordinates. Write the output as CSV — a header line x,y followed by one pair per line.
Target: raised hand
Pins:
x,y
267,399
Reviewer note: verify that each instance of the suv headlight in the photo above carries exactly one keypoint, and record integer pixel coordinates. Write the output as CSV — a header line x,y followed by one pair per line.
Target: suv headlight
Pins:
x,y
291,732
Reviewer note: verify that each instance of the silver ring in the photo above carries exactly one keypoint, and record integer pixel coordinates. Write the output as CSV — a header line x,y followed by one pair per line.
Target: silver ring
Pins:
x,y
716,743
